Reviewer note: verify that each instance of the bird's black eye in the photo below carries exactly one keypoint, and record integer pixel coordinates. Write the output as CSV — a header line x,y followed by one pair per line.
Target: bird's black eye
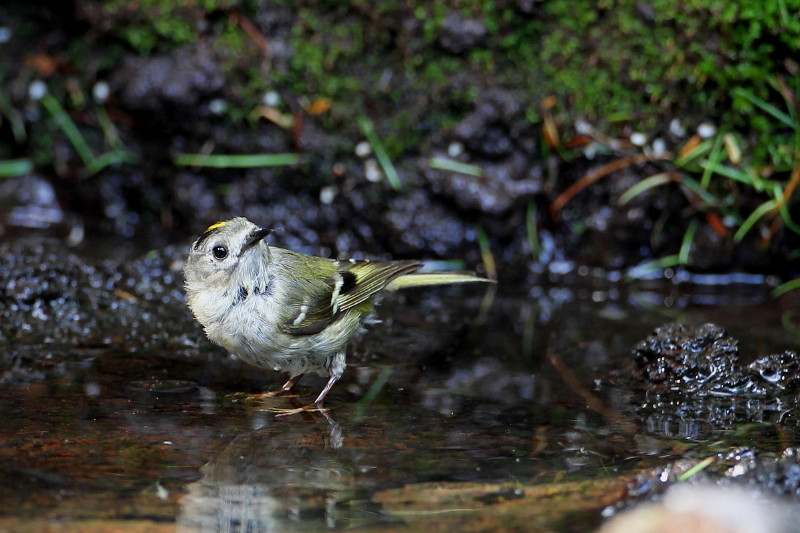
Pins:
x,y
219,252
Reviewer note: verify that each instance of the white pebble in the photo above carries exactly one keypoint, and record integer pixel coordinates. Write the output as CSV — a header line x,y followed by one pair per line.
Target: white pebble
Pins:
x,y
363,149
659,147
218,106
372,171
328,193
676,128
37,89
271,99
455,149
582,127
638,139
100,92
706,130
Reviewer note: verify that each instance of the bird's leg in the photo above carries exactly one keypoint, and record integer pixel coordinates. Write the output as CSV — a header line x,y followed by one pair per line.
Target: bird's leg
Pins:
x,y
335,370
333,379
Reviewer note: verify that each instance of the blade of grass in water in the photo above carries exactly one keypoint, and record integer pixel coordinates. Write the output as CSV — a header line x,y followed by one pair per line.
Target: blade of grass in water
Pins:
x,y
381,154
15,167
236,161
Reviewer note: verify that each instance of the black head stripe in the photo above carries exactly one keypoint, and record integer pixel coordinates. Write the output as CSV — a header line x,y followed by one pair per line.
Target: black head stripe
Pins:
x,y
206,234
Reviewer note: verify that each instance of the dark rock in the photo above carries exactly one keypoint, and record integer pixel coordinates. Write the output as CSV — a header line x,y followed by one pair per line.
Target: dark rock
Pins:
x,y
677,357
419,225
460,34
182,78
510,171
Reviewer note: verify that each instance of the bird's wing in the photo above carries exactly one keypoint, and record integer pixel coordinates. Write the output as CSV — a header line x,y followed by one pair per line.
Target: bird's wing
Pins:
x,y
352,284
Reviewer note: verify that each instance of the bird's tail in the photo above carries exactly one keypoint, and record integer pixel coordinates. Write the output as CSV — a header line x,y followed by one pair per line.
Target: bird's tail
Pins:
x,y
422,279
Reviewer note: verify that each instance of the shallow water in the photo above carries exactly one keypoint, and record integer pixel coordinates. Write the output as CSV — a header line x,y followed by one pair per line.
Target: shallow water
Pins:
x,y
460,410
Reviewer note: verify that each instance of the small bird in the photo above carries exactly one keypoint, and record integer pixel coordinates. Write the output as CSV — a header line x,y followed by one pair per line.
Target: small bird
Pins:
x,y
285,310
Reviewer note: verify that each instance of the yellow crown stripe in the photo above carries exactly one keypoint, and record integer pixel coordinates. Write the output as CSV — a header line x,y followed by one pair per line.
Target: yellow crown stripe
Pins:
x,y
216,225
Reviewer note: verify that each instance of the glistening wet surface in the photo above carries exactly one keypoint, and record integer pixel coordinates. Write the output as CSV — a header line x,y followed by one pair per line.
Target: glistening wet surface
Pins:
x,y
458,411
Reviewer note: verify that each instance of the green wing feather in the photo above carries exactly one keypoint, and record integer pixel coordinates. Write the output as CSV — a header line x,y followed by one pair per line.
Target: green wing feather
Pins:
x,y
321,301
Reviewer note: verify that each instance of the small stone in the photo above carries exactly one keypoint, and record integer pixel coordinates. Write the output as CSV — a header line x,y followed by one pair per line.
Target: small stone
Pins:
x,y
706,130
100,92
638,139
676,128
37,89
372,171
363,149
271,99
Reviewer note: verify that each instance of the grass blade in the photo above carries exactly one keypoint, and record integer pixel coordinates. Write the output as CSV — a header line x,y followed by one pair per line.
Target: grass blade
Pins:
x,y
113,157
695,187
15,167
489,264
783,288
643,270
714,158
68,127
443,163
380,152
646,184
532,231
686,243
236,161
766,107
734,173
759,212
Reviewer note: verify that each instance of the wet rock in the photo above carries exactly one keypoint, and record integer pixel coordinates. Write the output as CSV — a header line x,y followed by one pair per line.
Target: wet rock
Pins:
x,y
48,294
765,474
705,361
677,357
459,33
696,387
779,370
182,78
510,172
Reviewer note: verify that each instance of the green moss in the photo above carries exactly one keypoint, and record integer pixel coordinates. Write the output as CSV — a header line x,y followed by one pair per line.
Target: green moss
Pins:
x,y
610,61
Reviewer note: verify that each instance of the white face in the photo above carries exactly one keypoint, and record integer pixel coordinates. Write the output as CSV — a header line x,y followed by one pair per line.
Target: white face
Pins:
x,y
215,256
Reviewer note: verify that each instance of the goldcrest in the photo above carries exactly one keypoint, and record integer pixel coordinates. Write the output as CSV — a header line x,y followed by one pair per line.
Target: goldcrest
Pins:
x,y
284,310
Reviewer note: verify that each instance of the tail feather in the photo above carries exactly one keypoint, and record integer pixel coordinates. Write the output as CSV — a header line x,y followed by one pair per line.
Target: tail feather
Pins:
x,y
422,279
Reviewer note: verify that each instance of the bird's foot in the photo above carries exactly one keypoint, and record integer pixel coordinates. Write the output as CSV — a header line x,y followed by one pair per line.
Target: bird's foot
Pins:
x,y
282,411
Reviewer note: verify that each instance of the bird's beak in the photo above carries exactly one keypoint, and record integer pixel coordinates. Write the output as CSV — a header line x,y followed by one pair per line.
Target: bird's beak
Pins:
x,y
256,236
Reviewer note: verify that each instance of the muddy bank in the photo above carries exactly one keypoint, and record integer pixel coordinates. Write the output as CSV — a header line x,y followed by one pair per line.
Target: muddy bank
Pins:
x,y
414,148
